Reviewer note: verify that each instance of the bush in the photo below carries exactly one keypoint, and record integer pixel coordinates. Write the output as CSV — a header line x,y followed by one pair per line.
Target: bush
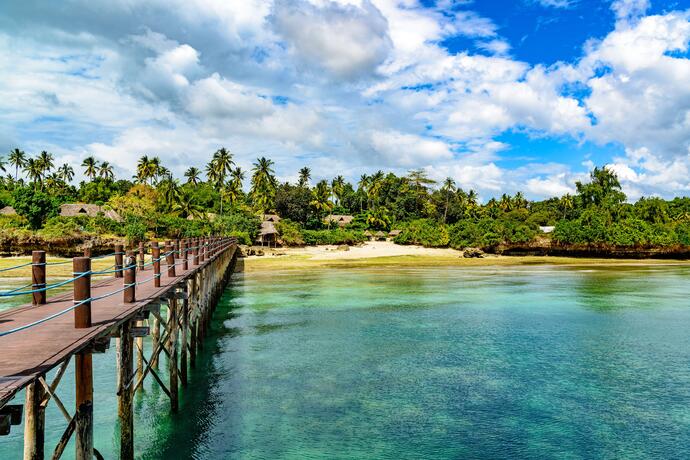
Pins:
x,y
236,222
336,236
36,206
135,230
61,227
290,233
424,232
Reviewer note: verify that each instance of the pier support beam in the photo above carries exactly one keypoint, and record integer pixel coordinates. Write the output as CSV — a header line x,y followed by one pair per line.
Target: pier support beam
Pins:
x,y
172,348
34,422
183,342
124,393
83,372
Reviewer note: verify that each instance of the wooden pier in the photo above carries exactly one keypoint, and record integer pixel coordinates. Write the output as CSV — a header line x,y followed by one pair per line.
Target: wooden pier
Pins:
x,y
126,305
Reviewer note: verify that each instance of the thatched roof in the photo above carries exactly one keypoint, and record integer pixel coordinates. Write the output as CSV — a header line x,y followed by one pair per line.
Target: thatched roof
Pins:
x,y
368,233
211,216
380,234
91,210
8,211
341,220
270,218
268,228
394,232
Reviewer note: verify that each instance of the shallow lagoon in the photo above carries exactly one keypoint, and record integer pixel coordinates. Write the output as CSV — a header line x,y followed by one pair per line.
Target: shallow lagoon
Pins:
x,y
519,362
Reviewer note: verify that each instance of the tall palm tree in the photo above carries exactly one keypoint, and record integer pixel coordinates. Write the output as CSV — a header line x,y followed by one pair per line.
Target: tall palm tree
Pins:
x,y
34,171
304,176
321,198
170,192
263,184
106,171
338,187
193,176
90,166
2,164
184,205
237,178
17,159
65,173
363,184
447,189
46,162
375,184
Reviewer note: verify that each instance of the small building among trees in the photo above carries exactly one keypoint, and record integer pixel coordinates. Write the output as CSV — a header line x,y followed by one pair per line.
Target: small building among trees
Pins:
x,y
90,210
341,220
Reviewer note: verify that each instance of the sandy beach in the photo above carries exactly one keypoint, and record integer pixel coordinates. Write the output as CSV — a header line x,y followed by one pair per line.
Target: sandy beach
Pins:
x,y
383,253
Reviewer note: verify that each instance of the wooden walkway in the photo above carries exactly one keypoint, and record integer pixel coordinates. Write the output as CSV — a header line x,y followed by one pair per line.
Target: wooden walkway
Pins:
x,y
32,352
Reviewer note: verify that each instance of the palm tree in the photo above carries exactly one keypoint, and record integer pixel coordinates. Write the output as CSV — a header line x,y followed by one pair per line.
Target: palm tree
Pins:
x,y
375,184
46,162
34,171
263,184
447,189
362,184
148,169
321,198
193,175
304,176
2,164
106,171
217,171
338,187
17,159
237,177
91,167
566,203
170,192
65,173
185,205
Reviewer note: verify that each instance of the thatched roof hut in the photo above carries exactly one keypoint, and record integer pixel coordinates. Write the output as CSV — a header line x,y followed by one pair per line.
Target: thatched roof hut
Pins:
x,y
8,211
380,235
268,233
394,233
211,216
340,219
91,210
270,218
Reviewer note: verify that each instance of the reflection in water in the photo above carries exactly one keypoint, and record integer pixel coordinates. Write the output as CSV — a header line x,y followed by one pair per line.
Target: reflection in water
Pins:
x,y
494,362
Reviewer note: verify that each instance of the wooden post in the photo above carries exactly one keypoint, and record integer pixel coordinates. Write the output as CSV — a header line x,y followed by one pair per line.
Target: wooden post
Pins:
x,y
130,278
141,255
195,251
83,365
170,260
124,393
184,255
172,348
183,342
156,255
34,422
38,276
202,250
119,253
87,252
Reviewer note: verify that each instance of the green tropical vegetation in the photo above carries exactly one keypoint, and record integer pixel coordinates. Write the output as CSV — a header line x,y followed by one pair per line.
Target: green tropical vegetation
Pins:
x,y
153,203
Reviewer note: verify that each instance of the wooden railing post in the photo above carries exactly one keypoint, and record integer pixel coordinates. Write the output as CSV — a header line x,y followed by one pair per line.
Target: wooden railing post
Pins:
x,y
170,260
172,349
185,256
195,251
38,276
83,365
130,278
141,255
202,250
156,255
119,253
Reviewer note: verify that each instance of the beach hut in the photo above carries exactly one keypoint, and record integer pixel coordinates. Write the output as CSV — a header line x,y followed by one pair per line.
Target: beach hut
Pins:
x,y
369,235
380,236
90,210
393,233
270,218
268,233
340,219
8,211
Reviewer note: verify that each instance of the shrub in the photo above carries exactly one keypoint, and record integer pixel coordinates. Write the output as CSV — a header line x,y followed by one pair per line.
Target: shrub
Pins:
x,y
290,233
59,227
424,232
336,236
36,206
237,221
135,229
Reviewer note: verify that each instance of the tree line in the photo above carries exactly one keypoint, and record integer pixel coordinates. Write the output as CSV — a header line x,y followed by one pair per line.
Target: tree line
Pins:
x,y
427,212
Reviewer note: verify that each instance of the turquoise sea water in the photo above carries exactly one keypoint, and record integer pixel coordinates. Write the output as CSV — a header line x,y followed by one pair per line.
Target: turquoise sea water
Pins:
x,y
505,362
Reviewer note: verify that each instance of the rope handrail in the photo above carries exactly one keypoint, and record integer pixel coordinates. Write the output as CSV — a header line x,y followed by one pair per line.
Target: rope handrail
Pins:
x,y
15,267
16,291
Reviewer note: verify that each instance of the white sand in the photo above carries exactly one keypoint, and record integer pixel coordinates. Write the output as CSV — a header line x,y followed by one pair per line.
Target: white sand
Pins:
x,y
364,251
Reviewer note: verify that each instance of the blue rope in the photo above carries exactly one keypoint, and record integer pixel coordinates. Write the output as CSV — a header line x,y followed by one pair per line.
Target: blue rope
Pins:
x,y
15,267
43,289
47,318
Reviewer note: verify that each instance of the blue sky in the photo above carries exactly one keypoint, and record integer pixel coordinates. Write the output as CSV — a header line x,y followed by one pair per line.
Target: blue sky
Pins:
x,y
499,95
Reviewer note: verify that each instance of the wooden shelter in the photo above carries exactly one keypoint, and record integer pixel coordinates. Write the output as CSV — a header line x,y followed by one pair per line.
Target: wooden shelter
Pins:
x,y
268,233
369,235
380,235
340,219
394,233
270,218
8,211
91,210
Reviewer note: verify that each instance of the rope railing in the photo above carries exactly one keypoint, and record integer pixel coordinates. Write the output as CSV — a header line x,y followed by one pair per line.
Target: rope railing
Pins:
x,y
209,249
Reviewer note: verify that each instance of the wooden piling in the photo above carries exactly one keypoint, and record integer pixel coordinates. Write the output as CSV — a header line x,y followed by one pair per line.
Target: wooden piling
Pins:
x,y
38,276
83,363
124,393
156,255
130,279
183,342
185,255
141,256
195,251
172,348
34,422
119,253
170,260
